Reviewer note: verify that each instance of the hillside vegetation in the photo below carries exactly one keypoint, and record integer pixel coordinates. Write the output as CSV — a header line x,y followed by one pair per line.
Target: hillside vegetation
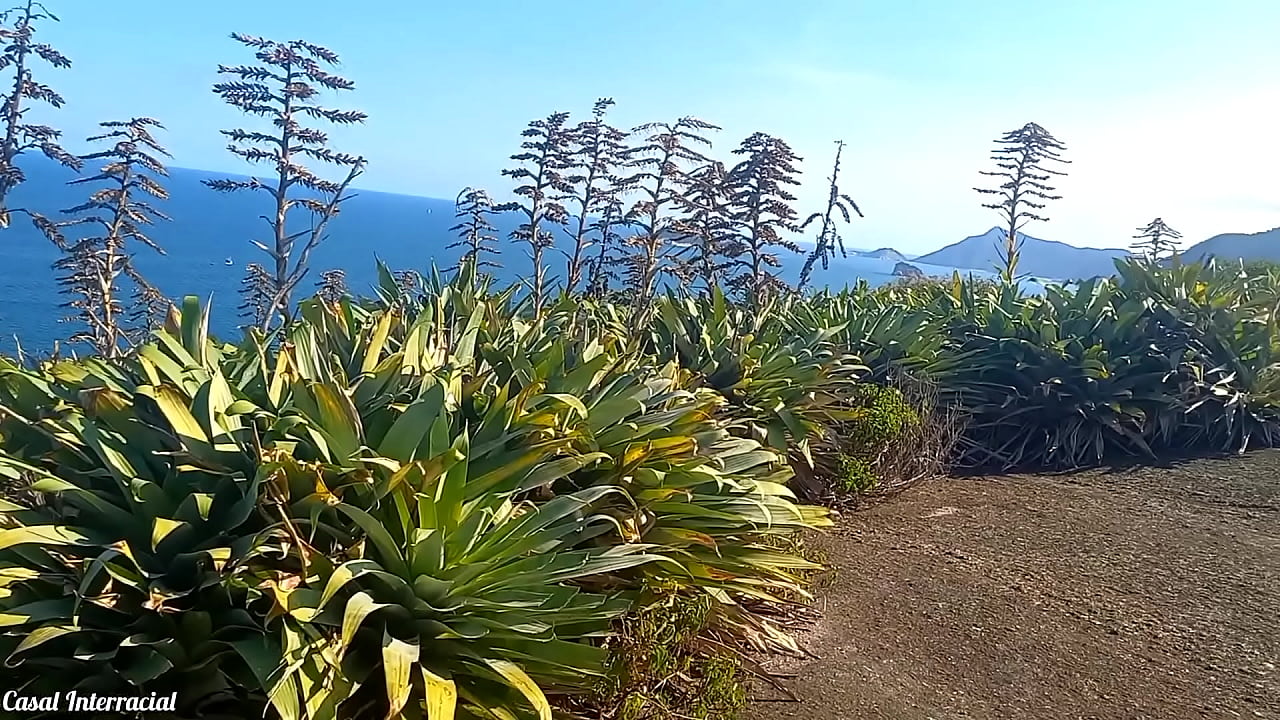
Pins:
x,y
576,498
434,498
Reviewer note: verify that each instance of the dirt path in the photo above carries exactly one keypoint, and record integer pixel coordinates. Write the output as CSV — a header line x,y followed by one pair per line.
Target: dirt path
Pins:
x,y
1147,593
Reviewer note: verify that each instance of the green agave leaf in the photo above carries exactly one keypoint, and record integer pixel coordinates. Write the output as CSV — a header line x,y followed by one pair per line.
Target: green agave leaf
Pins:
x,y
37,612
283,696
409,430
173,405
41,535
162,528
195,507
517,537
112,453
398,659
569,400
262,654
41,635
741,462
464,350
377,341
146,666
441,695
324,687
339,420
578,658
501,476
351,570
357,610
549,472
195,328
451,490
387,547
14,576
517,678
83,497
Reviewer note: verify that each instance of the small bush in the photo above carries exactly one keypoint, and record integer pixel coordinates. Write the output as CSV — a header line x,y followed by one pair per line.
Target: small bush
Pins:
x,y
883,416
900,435
663,665
855,474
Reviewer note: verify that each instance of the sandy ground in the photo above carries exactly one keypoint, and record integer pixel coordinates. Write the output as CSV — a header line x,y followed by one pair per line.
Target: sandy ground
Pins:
x,y
1142,593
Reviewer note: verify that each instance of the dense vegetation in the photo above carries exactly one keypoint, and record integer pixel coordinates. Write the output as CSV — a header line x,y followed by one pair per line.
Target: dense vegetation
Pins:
x,y
395,505
399,504
452,500
1157,360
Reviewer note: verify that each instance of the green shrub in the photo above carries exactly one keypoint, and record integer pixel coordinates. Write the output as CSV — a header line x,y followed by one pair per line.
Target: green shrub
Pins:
x,y
855,474
126,576
789,386
1156,359
881,417
664,665
437,500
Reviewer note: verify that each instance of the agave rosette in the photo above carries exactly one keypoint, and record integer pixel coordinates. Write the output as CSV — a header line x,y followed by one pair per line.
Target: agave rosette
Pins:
x,y
123,576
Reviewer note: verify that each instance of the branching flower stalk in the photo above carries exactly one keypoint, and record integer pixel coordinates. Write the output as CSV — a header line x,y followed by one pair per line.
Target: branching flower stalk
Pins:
x,y
408,282
93,267
332,286
283,88
475,232
542,162
829,240
761,213
1157,242
20,52
150,310
661,159
598,149
601,273
255,295
704,228
1019,157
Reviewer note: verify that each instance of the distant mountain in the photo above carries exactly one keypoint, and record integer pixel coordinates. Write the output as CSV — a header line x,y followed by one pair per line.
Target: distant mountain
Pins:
x,y
1040,258
884,253
1237,246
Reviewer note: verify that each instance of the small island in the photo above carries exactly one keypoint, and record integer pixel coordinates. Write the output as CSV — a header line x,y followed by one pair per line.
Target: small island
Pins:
x,y
884,253
907,270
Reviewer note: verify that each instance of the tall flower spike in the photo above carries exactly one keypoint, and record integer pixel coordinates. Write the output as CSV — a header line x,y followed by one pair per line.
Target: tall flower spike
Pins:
x,y
283,88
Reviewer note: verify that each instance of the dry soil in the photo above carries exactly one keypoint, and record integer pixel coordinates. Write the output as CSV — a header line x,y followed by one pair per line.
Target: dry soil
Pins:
x,y
1146,593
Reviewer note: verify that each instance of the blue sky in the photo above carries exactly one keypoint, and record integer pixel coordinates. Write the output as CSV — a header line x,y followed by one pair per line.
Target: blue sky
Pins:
x,y
1167,108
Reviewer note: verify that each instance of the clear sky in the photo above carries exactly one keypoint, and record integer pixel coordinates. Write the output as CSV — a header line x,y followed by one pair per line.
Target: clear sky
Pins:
x,y
1168,108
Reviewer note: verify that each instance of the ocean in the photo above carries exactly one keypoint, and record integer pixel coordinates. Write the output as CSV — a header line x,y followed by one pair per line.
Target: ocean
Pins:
x,y
209,228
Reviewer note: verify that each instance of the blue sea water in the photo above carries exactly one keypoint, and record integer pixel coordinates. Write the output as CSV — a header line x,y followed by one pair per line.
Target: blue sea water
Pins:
x,y
208,228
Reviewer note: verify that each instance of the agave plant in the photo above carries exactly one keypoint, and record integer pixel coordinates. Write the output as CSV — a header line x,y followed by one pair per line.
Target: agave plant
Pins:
x,y
124,577
383,408
1225,320
458,602
790,389
887,335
